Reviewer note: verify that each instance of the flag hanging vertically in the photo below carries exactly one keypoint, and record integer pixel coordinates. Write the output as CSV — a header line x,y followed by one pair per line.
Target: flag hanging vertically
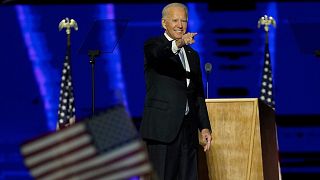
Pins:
x,y
104,147
66,111
266,92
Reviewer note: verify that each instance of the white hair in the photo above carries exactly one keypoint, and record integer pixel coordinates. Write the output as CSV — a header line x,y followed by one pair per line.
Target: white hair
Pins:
x,y
165,9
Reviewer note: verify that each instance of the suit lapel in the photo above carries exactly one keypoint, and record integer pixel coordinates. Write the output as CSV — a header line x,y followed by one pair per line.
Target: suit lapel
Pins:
x,y
175,58
189,53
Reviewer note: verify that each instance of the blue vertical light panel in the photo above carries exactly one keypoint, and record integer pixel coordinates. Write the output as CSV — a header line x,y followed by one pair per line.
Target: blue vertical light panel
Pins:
x,y
194,25
40,56
272,11
113,62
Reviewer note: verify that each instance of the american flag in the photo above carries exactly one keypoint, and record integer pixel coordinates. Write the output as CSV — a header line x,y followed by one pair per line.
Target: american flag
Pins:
x,y
266,92
105,147
66,112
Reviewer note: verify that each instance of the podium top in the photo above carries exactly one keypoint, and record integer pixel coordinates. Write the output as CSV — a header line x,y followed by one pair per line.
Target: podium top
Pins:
x,y
104,35
232,100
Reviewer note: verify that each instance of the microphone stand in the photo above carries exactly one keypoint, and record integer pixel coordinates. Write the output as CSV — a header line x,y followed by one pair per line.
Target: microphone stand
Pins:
x,y
207,72
93,54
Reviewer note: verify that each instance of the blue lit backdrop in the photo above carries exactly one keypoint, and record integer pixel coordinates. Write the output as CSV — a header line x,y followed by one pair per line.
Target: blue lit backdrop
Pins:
x,y
32,50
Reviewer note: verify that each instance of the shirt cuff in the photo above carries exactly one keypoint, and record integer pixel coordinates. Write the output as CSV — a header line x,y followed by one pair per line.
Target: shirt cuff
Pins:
x,y
175,48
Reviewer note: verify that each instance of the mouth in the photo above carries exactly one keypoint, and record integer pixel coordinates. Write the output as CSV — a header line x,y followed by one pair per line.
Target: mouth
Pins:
x,y
178,31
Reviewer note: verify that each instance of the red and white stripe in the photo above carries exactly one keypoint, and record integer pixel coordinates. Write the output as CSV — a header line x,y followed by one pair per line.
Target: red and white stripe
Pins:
x,y
70,154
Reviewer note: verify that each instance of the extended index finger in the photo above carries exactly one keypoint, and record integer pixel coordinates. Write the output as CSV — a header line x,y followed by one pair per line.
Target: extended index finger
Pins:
x,y
193,34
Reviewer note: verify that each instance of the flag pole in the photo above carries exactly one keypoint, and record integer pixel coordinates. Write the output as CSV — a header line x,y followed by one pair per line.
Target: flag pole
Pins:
x,y
266,22
68,24
66,112
266,93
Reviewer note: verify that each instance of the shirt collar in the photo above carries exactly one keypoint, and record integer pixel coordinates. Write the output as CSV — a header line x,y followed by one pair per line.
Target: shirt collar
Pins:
x,y
168,37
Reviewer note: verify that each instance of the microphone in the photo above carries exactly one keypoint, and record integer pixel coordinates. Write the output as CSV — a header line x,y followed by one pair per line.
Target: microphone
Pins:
x,y
208,68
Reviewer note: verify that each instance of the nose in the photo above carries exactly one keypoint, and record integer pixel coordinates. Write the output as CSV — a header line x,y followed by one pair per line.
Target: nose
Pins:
x,y
180,23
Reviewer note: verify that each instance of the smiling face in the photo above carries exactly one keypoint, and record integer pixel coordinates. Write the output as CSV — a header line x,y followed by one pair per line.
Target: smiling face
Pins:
x,y
175,22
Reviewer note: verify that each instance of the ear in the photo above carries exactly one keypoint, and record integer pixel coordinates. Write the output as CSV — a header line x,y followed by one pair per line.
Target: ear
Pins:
x,y
163,23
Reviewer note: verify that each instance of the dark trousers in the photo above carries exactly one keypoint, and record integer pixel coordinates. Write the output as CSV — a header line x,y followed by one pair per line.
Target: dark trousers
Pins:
x,y
176,160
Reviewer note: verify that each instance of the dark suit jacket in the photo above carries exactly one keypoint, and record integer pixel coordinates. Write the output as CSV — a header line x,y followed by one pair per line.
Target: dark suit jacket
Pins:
x,y
167,91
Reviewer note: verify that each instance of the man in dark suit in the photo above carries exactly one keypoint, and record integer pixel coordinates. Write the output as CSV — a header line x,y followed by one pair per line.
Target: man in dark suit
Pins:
x,y
174,106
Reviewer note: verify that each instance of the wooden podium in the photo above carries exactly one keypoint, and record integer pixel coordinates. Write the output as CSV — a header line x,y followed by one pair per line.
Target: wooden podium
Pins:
x,y
244,143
